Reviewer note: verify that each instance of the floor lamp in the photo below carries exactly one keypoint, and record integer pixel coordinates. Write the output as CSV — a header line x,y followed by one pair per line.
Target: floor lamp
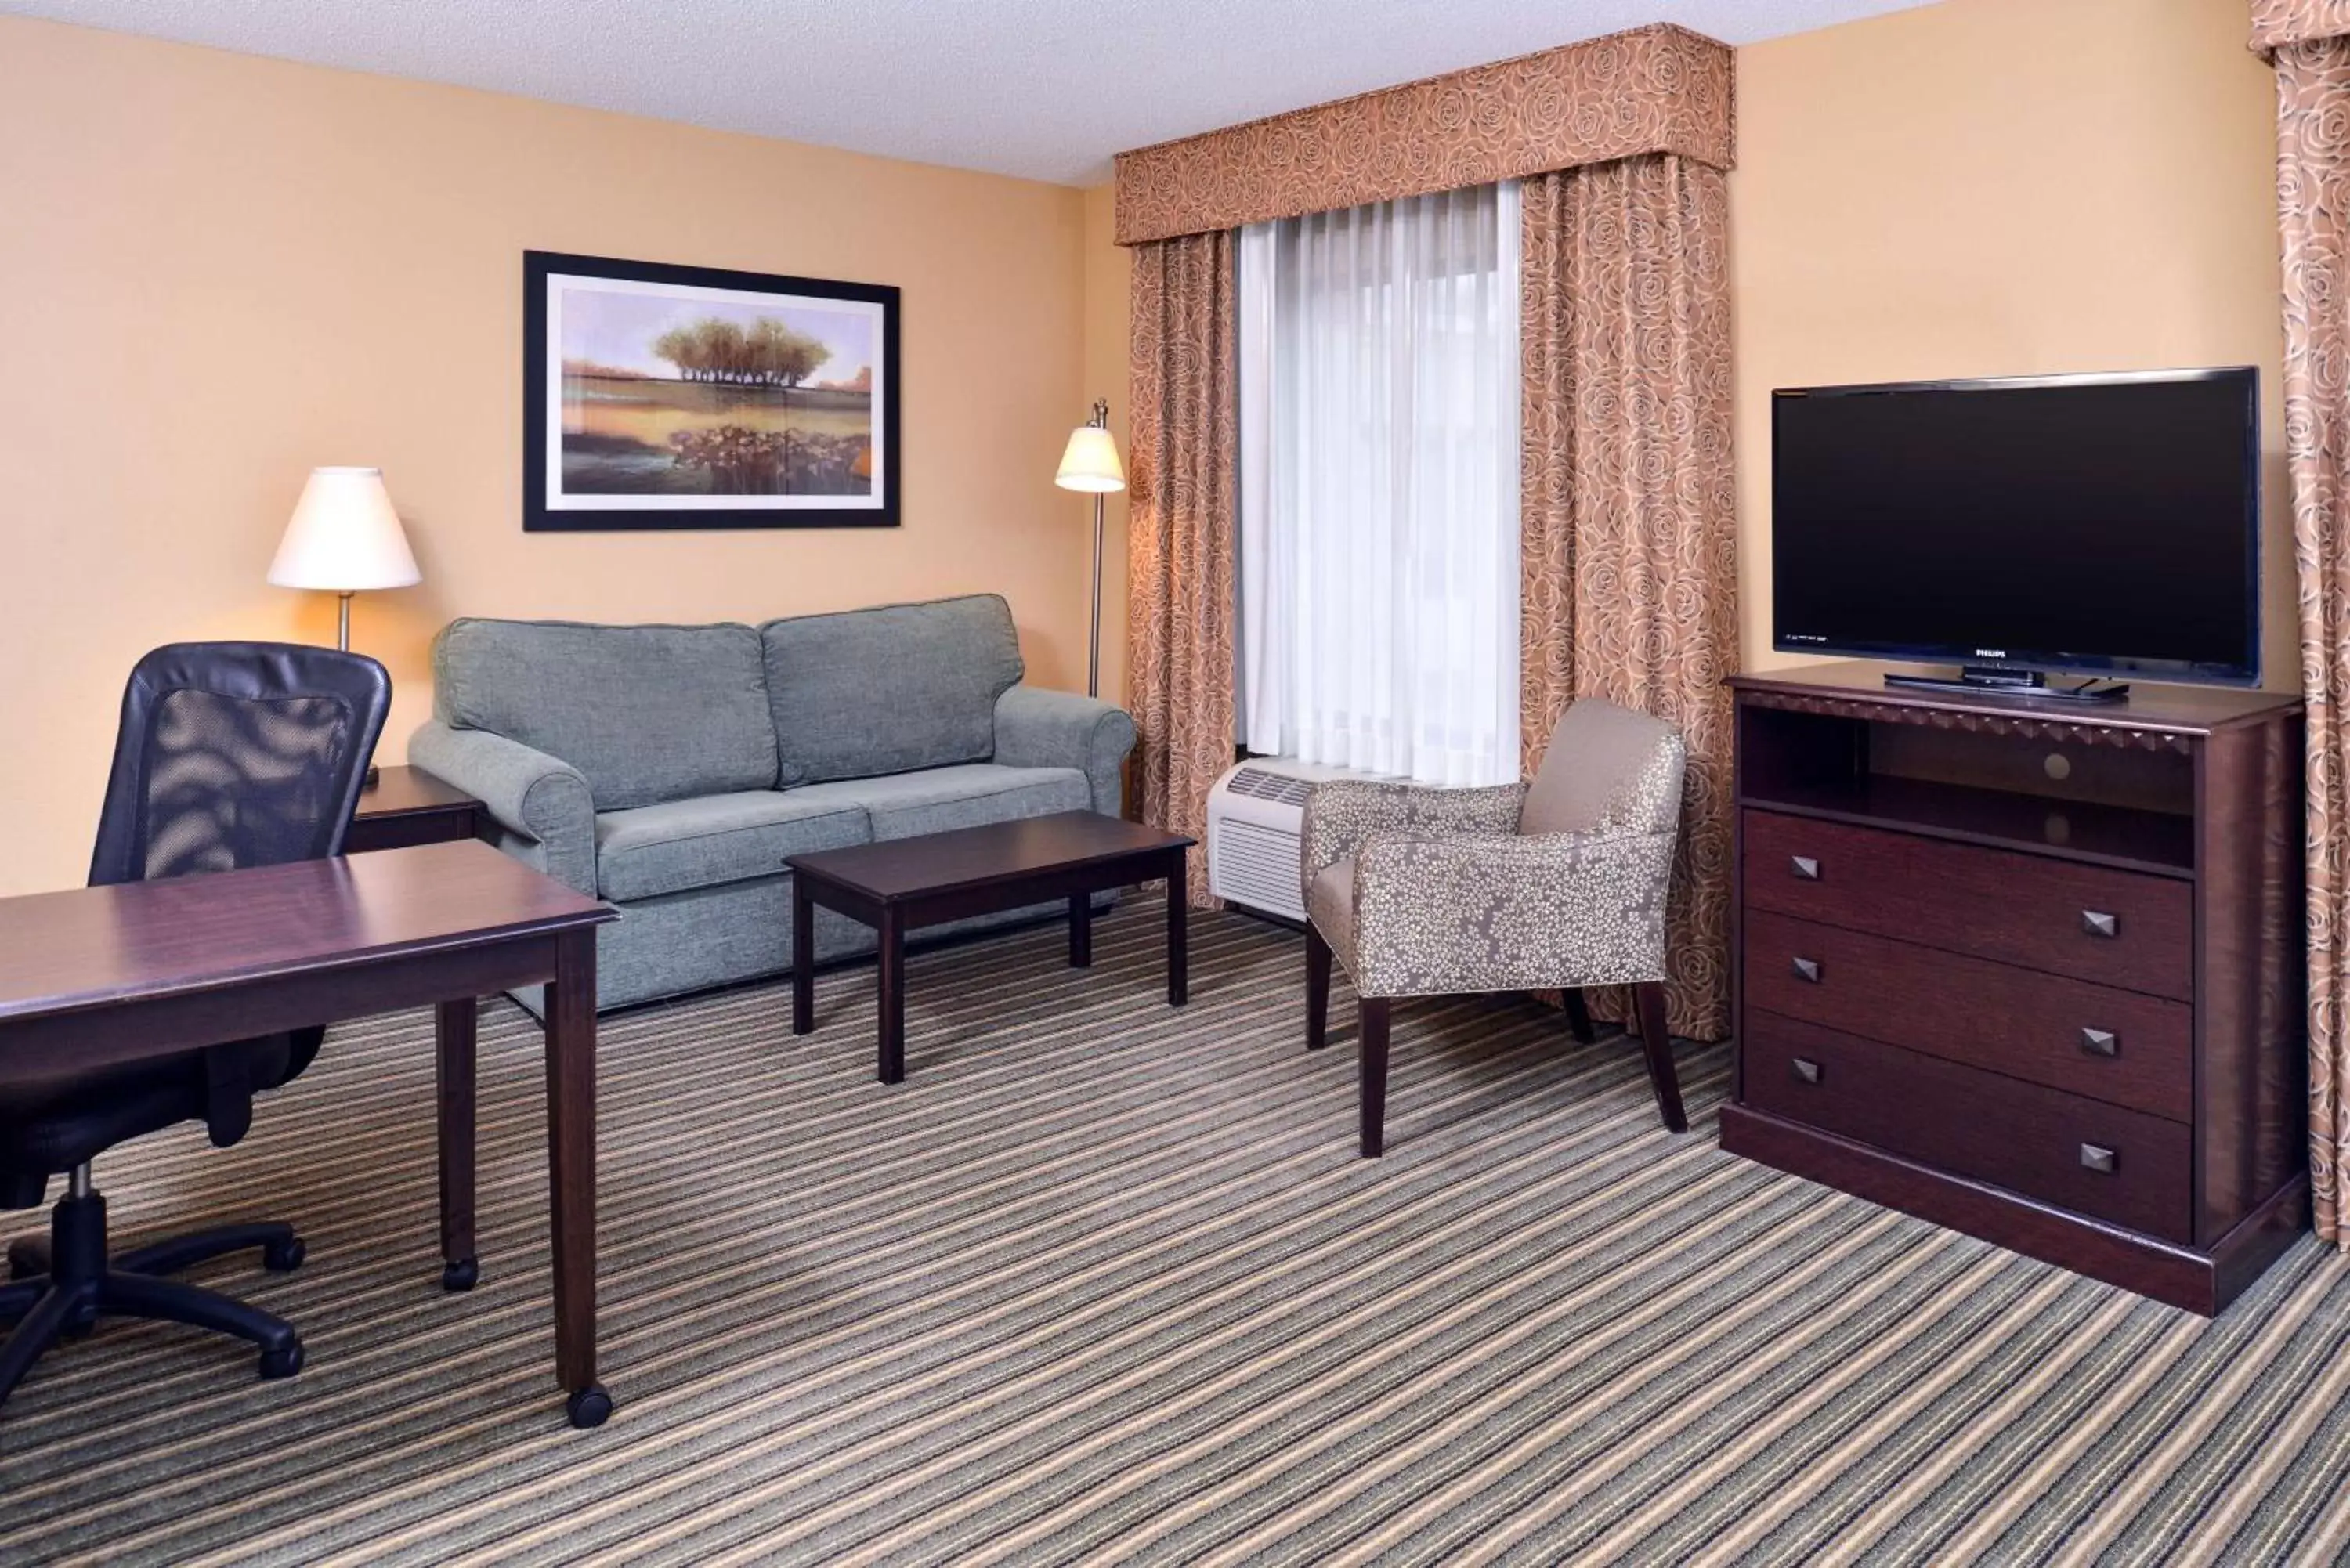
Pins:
x,y
1090,464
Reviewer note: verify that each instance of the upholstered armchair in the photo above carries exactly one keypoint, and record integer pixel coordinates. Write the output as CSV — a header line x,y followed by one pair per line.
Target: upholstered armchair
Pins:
x,y
1556,885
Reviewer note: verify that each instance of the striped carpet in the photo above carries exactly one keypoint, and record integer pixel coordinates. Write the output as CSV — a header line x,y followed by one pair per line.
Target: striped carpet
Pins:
x,y
1105,1282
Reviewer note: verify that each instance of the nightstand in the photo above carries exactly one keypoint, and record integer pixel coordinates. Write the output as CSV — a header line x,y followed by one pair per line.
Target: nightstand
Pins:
x,y
407,806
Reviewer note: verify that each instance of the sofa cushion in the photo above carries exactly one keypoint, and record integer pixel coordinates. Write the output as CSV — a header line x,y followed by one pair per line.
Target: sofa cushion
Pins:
x,y
715,839
646,713
1330,905
888,690
904,805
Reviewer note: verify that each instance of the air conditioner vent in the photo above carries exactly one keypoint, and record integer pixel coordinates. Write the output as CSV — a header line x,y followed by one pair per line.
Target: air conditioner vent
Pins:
x,y
1263,783
1257,866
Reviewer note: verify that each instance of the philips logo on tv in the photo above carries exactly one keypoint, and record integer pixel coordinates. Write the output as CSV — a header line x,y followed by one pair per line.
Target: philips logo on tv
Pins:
x,y
1990,653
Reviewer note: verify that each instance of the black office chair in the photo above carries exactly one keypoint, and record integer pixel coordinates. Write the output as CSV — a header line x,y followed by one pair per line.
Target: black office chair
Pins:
x,y
229,755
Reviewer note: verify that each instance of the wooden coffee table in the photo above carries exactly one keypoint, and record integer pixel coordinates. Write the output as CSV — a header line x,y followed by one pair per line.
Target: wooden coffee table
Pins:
x,y
900,884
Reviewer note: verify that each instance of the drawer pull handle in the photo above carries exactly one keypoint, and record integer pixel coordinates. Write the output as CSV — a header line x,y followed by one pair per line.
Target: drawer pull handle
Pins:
x,y
2100,1042
1807,1070
2098,923
1806,869
2099,1158
1807,969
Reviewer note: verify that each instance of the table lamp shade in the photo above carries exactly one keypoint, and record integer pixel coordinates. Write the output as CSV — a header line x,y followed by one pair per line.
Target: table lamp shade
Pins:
x,y
344,536
1090,462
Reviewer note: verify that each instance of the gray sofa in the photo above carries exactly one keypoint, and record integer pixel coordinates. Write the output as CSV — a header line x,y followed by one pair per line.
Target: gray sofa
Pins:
x,y
669,769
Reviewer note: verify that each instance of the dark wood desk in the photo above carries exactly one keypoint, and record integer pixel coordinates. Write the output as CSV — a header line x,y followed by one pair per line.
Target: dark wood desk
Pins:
x,y
101,975
899,884
407,806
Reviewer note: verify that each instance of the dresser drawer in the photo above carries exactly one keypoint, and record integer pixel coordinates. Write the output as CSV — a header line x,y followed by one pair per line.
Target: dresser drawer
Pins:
x,y
2116,928
2120,1046
2102,1160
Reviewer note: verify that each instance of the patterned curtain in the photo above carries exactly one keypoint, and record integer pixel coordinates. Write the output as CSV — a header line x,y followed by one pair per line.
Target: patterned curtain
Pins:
x,y
2314,212
1629,528
1183,459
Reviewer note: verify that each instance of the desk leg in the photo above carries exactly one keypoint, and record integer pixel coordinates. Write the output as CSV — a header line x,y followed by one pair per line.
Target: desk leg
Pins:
x,y
803,958
892,998
1178,911
453,1029
1081,930
571,1161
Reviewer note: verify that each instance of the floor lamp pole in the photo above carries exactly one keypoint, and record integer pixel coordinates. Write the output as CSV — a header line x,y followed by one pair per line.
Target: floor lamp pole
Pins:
x,y
1093,643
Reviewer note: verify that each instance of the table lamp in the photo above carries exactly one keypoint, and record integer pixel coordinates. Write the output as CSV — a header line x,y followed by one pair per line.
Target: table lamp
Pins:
x,y
344,537
1090,463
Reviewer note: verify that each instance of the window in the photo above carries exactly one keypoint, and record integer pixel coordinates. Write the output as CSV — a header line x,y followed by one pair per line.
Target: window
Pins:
x,y
1379,487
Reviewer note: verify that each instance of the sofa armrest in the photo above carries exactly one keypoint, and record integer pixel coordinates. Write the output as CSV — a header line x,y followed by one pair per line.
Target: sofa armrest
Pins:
x,y
1036,728
1340,814
1509,913
541,798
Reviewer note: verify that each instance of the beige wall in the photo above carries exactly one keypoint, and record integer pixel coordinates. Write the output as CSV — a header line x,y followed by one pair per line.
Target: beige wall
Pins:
x,y
217,272
2004,187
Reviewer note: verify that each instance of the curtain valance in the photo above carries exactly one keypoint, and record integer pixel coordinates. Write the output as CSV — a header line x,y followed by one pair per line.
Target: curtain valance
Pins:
x,y
2276,23
1659,88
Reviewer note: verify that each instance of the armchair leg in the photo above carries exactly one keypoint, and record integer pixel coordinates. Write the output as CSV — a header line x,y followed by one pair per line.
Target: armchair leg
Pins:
x,y
1317,989
1657,1044
1578,1015
1373,1014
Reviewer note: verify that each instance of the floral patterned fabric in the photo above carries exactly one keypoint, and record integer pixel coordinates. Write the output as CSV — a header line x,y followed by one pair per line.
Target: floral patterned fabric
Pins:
x,y
1658,88
1420,891
1627,520
1184,450
2276,23
2313,207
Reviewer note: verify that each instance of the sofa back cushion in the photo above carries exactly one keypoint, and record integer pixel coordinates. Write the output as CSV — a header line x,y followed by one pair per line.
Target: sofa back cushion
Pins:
x,y
649,714
888,690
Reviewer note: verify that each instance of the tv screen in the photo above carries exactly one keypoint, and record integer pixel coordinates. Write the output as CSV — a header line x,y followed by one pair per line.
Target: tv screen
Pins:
x,y
2088,522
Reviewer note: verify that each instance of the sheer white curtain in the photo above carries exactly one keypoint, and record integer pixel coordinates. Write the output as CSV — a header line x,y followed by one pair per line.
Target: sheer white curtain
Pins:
x,y
1378,473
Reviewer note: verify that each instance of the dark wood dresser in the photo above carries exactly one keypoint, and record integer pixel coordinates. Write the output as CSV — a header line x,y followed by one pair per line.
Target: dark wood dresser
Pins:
x,y
2027,968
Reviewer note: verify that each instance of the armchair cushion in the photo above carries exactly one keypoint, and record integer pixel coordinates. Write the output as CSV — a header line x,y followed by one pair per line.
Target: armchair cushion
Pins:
x,y
1330,905
1607,767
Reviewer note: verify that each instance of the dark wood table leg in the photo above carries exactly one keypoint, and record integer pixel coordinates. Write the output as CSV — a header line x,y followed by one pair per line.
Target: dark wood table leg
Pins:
x,y
803,958
1178,911
892,996
1081,930
571,1159
454,1036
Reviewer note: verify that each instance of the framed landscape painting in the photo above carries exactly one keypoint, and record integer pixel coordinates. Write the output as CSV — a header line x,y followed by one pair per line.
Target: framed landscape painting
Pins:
x,y
680,397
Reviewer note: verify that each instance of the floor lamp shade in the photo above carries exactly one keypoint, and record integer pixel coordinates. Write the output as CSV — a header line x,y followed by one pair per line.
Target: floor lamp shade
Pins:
x,y
344,536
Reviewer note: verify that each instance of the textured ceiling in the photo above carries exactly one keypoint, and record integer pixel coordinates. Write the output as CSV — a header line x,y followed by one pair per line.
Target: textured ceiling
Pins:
x,y
1045,88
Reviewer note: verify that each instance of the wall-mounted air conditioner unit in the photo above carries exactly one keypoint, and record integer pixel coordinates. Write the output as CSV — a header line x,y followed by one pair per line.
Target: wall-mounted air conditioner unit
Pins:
x,y
1256,814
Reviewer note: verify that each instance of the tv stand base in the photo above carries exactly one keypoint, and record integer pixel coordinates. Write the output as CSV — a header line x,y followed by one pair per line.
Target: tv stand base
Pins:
x,y
1982,680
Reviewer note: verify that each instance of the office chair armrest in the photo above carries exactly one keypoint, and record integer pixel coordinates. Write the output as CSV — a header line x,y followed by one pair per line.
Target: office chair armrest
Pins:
x,y
1341,814
1509,913
1036,727
541,799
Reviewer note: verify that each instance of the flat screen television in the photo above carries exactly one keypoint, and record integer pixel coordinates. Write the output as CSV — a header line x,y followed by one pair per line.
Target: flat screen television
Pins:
x,y
2098,524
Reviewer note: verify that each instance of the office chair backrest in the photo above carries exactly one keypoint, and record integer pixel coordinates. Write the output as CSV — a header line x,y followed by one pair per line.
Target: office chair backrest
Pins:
x,y
233,754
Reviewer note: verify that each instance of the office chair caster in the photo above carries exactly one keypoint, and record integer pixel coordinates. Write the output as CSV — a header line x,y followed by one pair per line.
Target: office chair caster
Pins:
x,y
285,1362
284,1256
588,1406
27,1259
461,1275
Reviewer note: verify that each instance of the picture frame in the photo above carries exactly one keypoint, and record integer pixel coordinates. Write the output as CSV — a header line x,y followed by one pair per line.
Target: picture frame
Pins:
x,y
669,396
